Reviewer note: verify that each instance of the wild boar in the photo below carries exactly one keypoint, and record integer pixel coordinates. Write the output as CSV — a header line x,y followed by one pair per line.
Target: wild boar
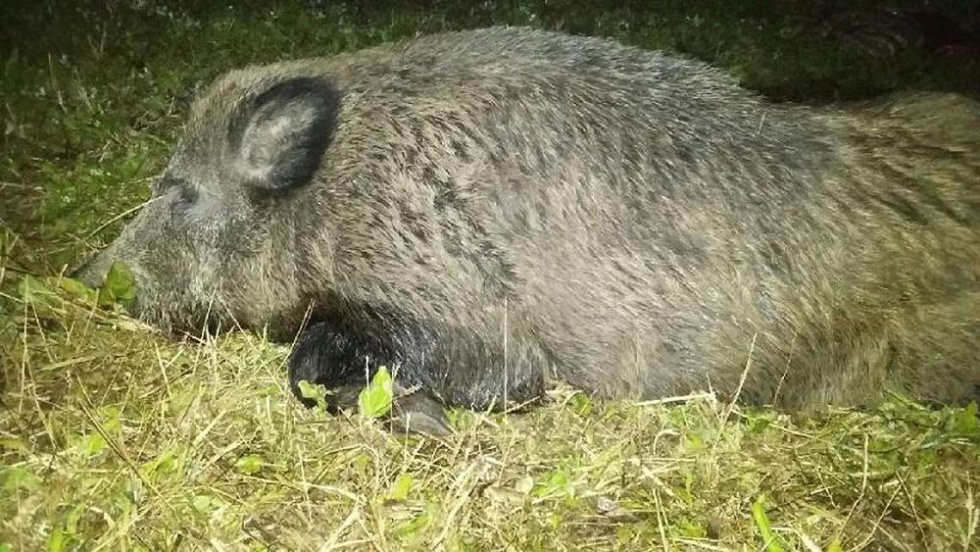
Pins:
x,y
492,208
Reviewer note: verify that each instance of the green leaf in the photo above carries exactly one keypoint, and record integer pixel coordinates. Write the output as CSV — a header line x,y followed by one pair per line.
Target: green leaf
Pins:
x,y
56,542
374,400
77,289
119,287
411,528
15,478
694,443
250,463
557,483
401,488
206,504
835,546
581,404
167,463
91,445
313,392
765,528
964,420
111,419
758,422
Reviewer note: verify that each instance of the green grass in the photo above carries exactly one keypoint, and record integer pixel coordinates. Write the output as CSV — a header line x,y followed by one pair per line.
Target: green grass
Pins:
x,y
113,437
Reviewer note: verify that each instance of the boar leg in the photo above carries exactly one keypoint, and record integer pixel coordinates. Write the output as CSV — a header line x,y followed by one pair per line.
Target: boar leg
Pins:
x,y
435,368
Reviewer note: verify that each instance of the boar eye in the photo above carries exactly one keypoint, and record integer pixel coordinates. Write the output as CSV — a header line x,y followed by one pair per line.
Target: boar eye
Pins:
x,y
186,196
162,184
167,183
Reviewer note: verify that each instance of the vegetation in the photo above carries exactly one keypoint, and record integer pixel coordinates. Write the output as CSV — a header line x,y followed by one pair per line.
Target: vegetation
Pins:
x,y
115,437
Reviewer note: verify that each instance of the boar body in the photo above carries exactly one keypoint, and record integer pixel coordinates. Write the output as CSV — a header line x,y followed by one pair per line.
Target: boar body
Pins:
x,y
489,208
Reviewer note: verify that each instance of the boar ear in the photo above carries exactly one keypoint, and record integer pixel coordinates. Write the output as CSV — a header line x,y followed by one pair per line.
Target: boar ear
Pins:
x,y
279,137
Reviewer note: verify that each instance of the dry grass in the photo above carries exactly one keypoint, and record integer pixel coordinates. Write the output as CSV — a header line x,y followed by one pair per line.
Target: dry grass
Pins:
x,y
115,438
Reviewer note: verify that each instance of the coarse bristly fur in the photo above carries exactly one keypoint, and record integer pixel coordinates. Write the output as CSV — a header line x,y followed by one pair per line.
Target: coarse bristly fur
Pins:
x,y
490,208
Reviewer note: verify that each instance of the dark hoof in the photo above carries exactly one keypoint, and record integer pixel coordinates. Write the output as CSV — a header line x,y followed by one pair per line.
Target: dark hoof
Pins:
x,y
419,413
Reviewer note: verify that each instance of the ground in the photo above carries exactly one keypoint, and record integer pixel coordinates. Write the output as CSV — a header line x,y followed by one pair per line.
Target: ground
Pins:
x,y
115,437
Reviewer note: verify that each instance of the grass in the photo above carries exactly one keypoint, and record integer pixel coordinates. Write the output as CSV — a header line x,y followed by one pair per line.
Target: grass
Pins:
x,y
113,437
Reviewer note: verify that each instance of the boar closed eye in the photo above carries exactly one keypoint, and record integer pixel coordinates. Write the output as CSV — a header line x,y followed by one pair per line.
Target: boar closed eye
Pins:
x,y
165,183
185,197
